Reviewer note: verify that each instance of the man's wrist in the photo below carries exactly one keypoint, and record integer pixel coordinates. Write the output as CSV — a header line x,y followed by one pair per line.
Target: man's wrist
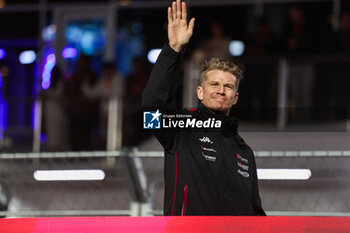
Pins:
x,y
177,48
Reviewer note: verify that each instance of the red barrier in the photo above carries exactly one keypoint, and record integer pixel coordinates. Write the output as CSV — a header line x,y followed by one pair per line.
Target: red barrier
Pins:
x,y
176,224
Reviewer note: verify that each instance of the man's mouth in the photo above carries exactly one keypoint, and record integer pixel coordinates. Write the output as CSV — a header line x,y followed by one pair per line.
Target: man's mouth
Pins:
x,y
222,100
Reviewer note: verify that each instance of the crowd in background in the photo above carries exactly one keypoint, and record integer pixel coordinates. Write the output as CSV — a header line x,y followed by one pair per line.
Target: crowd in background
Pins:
x,y
76,107
317,70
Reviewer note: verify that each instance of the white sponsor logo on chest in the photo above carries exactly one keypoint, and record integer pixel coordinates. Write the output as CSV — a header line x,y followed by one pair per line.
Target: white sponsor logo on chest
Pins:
x,y
209,158
243,173
245,167
244,160
205,139
208,149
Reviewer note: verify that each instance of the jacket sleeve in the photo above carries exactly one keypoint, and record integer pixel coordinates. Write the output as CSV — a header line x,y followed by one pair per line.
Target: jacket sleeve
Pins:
x,y
160,89
256,201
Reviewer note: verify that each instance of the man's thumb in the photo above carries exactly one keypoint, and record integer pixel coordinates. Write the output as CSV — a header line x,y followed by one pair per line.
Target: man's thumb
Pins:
x,y
191,24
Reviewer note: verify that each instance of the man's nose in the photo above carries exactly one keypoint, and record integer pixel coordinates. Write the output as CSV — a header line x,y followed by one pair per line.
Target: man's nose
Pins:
x,y
221,89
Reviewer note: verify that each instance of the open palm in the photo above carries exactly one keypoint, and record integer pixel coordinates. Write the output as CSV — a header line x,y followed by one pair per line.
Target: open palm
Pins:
x,y
179,33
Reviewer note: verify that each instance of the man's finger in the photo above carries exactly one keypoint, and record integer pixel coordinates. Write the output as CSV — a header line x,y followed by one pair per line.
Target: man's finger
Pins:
x,y
170,16
184,11
174,10
191,24
178,9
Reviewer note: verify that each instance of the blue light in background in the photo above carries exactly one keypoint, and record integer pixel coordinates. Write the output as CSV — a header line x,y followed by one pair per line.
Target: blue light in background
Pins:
x,y
27,57
153,55
46,75
3,112
236,48
87,42
43,137
88,37
69,52
2,53
49,32
74,33
3,117
51,58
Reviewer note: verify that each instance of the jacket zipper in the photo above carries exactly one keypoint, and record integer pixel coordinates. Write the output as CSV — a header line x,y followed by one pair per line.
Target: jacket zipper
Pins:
x,y
184,205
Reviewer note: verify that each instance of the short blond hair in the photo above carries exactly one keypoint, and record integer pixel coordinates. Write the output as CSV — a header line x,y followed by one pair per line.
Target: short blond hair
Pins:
x,y
223,65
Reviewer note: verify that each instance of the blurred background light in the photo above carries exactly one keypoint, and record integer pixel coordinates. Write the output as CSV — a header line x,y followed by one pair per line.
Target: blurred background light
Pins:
x,y
2,53
124,2
51,58
46,75
284,174
2,3
43,137
153,54
3,106
236,48
74,33
68,175
49,32
69,53
86,37
27,57
87,42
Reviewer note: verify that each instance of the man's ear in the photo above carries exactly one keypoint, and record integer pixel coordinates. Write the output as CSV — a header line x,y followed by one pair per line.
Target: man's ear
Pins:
x,y
200,93
235,99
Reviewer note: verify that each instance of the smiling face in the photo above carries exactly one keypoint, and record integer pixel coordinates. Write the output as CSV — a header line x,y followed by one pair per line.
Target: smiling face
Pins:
x,y
219,91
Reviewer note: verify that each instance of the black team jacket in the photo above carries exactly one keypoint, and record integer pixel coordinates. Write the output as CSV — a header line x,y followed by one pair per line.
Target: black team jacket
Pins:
x,y
207,171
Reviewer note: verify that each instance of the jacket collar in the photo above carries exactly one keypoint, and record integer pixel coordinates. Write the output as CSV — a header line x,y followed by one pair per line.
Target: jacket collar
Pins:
x,y
229,123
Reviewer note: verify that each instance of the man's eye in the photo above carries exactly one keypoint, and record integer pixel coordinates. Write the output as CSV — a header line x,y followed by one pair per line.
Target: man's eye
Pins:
x,y
229,86
214,84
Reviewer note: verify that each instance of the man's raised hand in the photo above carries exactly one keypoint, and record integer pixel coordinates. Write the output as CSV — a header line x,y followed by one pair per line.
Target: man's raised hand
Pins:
x,y
179,33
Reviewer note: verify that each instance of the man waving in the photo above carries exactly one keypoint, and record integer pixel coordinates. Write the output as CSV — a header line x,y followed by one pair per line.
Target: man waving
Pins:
x,y
208,170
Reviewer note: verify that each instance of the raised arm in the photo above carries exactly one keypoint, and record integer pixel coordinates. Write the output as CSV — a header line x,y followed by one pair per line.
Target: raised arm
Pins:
x,y
161,84
179,32
160,88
